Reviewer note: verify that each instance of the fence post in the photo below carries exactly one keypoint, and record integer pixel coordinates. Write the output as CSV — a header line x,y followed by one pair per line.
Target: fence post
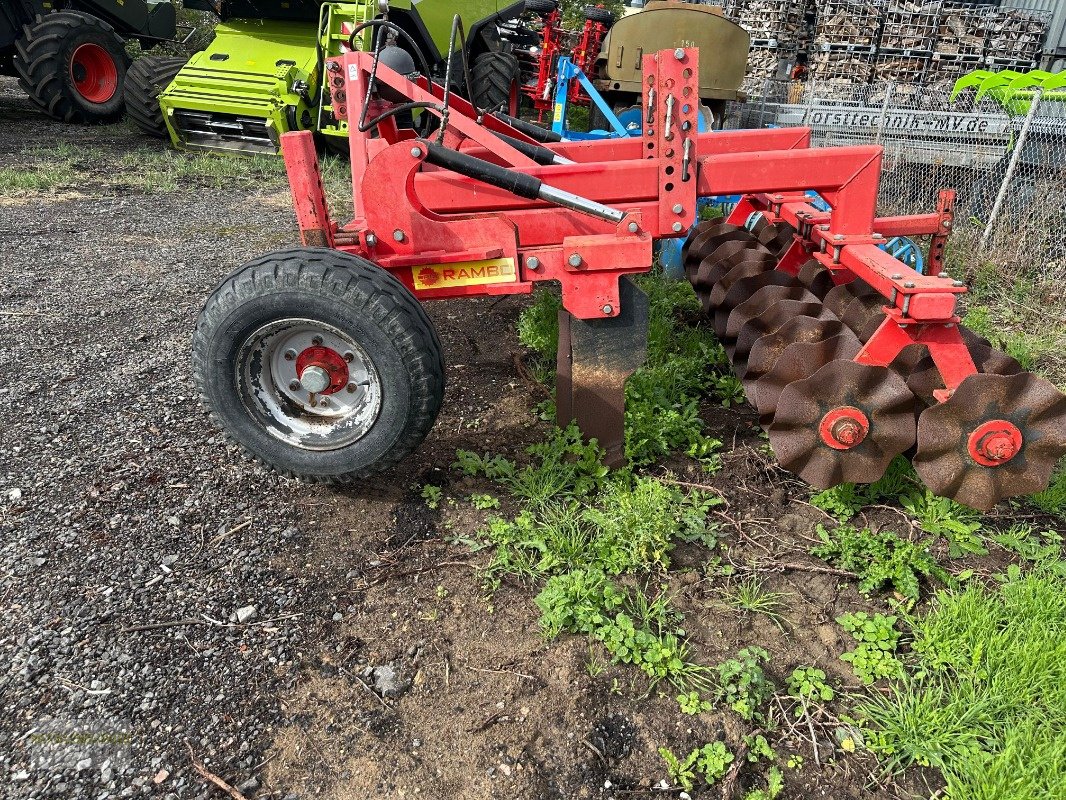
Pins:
x,y
890,87
810,103
1012,165
762,105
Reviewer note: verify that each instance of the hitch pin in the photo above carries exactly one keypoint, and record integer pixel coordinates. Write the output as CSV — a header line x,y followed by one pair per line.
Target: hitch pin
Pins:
x,y
686,159
651,105
667,133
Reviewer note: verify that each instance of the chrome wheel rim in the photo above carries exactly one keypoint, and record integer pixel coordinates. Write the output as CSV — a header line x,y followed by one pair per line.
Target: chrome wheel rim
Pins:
x,y
308,384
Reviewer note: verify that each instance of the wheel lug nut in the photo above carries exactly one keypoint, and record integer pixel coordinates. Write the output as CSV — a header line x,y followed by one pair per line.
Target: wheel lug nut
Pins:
x,y
290,355
349,356
294,385
316,341
352,387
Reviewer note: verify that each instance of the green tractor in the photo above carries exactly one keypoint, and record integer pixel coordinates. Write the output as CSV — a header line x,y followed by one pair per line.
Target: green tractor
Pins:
x,y
70,55
261,75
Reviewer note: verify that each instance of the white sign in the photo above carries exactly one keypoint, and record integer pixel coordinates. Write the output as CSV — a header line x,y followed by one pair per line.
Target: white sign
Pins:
x,y
946,123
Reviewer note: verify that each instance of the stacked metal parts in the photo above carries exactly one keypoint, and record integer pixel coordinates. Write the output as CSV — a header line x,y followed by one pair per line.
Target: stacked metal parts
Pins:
x,y
794,338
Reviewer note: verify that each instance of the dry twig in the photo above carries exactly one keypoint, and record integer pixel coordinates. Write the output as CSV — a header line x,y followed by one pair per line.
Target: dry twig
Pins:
x,y
207,775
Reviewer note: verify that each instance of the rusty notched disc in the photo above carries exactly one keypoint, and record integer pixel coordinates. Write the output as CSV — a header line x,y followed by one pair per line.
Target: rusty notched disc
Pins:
x,y
705,239
776,237
744,288
798,362
816,278
768,348
771,321
997,436
758,303
924,377
843,424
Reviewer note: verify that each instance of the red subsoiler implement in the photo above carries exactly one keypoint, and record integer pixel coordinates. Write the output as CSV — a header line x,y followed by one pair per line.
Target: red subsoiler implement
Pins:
x,y
320,361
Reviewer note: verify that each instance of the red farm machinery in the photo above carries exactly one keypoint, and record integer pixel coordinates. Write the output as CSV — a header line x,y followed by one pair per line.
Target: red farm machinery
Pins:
x,y
540,55
320,360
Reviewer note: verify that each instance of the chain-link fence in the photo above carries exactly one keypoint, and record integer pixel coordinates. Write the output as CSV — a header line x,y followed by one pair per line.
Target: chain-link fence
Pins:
x,y
1007,161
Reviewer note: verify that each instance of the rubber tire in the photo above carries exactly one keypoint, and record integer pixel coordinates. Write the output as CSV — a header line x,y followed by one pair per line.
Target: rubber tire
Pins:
x,y
42,62
145,81
353,295
543,7
599,15
496,80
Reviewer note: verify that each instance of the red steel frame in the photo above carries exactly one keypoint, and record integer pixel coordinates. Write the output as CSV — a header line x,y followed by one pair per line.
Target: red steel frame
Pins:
x,y
409,214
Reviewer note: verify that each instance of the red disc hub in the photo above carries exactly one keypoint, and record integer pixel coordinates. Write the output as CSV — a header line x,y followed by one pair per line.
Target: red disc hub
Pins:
x,y
844,428
94,73
327,359
995,442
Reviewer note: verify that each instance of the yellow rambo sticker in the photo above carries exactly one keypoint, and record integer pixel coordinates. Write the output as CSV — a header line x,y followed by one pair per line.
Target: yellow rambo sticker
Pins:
x,y
464,273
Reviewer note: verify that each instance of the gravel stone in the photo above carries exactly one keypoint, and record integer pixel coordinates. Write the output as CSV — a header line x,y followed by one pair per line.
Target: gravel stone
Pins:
x,y
390,682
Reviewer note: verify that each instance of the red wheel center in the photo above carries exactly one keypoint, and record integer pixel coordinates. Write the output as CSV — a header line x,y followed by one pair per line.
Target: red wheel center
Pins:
x,y
94,73
995,442
328,360
844,428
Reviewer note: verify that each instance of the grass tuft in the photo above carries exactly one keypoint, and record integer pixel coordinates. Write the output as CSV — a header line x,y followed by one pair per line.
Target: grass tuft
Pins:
x,y
987,703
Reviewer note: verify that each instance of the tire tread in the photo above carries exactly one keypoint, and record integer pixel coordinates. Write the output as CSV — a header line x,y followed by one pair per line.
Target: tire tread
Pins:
x,y
37,62
369,289
145,80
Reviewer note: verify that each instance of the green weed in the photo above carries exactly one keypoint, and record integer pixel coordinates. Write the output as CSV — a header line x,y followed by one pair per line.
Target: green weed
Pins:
x,y
1053,499
775,785
1043,546
663,396
808,684
563,467
483,502
759,748
876,640
987,704
693,703
879,559
941,516
750,596
432,495
709,762
632,628
742,683
843,501
729,390
847,499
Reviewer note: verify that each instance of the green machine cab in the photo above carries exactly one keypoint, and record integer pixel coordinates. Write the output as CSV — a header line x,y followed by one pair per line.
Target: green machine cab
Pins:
x,y
261,75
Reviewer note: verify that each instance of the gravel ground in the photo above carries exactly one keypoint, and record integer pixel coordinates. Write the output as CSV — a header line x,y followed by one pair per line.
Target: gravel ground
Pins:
x,y
151,579
124,509
160,594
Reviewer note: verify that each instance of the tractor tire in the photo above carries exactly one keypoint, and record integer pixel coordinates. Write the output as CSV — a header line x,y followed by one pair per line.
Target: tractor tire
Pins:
x,y
496,77
145,81
543,7
312,319
597,14
73,66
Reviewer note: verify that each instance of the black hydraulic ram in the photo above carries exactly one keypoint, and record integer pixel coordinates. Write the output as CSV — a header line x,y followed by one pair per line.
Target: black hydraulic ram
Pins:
x,y
517,183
